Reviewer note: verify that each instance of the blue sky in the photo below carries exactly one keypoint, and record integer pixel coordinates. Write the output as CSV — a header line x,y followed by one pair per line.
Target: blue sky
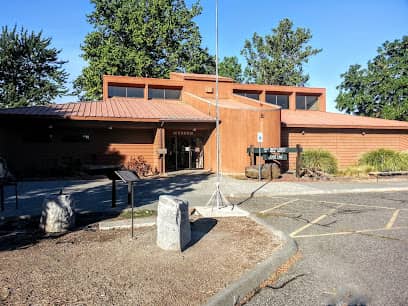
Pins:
x,y
348,31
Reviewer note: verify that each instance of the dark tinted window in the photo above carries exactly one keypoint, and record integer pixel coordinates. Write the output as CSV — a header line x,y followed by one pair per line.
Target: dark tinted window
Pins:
x,y
312,102
172,94
135,92
116,91
248,94
164,93
76,138
129,92
281,100
307,102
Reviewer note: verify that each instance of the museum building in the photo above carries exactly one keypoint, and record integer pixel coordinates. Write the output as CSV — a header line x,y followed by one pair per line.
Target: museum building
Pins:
x,y
170,124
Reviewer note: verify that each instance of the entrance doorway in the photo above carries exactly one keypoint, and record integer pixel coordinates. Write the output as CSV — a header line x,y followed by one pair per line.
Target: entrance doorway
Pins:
x,y
185,150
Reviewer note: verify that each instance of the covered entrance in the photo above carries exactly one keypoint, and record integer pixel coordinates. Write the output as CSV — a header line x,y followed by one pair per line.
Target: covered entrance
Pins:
x,y
185,149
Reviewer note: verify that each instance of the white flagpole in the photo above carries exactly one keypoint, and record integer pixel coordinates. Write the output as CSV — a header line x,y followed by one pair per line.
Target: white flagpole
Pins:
x,y
217,111
220,200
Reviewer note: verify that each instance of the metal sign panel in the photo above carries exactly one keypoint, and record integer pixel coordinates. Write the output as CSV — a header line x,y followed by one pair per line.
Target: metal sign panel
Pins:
x,y
260,137
273,150
283,156
127,176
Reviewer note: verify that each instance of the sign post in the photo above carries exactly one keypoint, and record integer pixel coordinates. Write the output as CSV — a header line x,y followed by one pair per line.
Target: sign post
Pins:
x,y
260,140
129,177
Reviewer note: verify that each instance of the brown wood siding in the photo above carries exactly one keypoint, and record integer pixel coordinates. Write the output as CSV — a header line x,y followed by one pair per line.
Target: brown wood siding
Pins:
x,y
346,144
106,146
238,130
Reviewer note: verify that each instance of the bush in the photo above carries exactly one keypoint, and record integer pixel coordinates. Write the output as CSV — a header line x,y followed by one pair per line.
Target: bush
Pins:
x,y
356,171
319,160
385,160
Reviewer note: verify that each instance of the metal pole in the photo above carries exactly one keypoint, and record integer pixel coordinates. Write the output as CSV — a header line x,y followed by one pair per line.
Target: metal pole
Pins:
x,y
113,191
2,197
132,199
259,160
217,110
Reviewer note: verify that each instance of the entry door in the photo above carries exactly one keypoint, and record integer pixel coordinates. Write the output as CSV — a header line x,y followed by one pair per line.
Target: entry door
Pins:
x,y
184,152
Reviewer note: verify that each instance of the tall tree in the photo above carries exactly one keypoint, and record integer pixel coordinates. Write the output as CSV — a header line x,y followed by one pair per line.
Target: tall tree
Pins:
x,y
278,58
148,38
381,89
230,67
30,71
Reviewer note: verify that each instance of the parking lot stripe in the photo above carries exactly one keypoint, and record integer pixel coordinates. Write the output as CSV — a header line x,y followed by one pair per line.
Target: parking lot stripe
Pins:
x,y
393,219
301,229
277,206
352,204
352,232
308,225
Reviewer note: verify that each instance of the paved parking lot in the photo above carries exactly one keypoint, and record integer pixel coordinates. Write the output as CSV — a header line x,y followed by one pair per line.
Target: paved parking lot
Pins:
x,y
354,247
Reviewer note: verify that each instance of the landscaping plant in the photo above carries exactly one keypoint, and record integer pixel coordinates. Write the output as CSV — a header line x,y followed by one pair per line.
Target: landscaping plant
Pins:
x,y
385,160
319,160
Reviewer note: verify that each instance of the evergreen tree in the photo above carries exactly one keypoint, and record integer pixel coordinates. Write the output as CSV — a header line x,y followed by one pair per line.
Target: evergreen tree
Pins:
x,y
278,58
230,67
30,71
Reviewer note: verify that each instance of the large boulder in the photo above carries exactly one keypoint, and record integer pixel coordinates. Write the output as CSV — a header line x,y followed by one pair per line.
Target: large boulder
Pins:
x,y
173,224
268,171
58,213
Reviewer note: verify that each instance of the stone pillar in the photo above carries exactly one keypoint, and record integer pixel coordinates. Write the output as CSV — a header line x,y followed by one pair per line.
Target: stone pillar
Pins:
x,y
58,214
173,224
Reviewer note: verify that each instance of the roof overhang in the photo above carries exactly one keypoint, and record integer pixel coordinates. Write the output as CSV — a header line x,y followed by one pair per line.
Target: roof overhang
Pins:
x,y
350,127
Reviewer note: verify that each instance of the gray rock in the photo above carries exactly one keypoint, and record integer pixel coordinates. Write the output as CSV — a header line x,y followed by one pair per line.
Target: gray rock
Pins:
x,y
58,214
173,224
268,171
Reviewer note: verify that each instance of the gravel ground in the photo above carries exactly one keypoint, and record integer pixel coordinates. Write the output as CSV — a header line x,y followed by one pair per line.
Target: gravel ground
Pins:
x,y
89,267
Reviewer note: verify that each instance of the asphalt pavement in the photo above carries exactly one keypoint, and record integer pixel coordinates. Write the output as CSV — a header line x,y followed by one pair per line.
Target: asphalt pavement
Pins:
x,y
354,248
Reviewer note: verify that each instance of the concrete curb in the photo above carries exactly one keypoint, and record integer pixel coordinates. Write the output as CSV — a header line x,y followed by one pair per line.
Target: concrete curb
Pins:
x,y
126,223
252,279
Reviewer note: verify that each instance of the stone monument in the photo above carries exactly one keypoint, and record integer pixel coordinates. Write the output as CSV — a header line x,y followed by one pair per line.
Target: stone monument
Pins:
x,y
58,213
173,224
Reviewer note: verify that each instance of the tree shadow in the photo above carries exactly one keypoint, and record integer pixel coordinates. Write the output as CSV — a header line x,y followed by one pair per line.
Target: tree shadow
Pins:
x,y
18,234
93,204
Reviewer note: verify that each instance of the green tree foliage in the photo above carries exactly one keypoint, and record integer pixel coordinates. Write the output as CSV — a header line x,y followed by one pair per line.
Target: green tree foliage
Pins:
x,y
381,89
148,38
278,58
30,72
230,67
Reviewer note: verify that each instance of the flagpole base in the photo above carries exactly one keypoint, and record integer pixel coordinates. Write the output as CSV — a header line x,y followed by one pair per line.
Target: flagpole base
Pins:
x,y
218,199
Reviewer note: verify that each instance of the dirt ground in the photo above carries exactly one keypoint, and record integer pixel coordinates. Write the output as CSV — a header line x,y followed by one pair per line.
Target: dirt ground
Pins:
x,y
90,267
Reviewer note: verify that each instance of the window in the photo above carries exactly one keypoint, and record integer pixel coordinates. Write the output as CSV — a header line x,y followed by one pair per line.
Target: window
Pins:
x,y
164,94
307,102
248,94
281,100
127,92
76,137
135,92
38,136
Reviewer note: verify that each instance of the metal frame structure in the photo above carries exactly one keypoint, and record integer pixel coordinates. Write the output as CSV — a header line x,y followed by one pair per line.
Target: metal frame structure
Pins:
x,y
220,200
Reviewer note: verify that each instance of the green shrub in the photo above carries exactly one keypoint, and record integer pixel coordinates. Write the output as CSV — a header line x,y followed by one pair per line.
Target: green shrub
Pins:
x,y
356,170
385,160
320,160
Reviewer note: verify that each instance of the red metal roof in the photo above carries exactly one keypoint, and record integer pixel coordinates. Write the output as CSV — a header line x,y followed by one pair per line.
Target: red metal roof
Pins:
x,y
318,119
118,109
